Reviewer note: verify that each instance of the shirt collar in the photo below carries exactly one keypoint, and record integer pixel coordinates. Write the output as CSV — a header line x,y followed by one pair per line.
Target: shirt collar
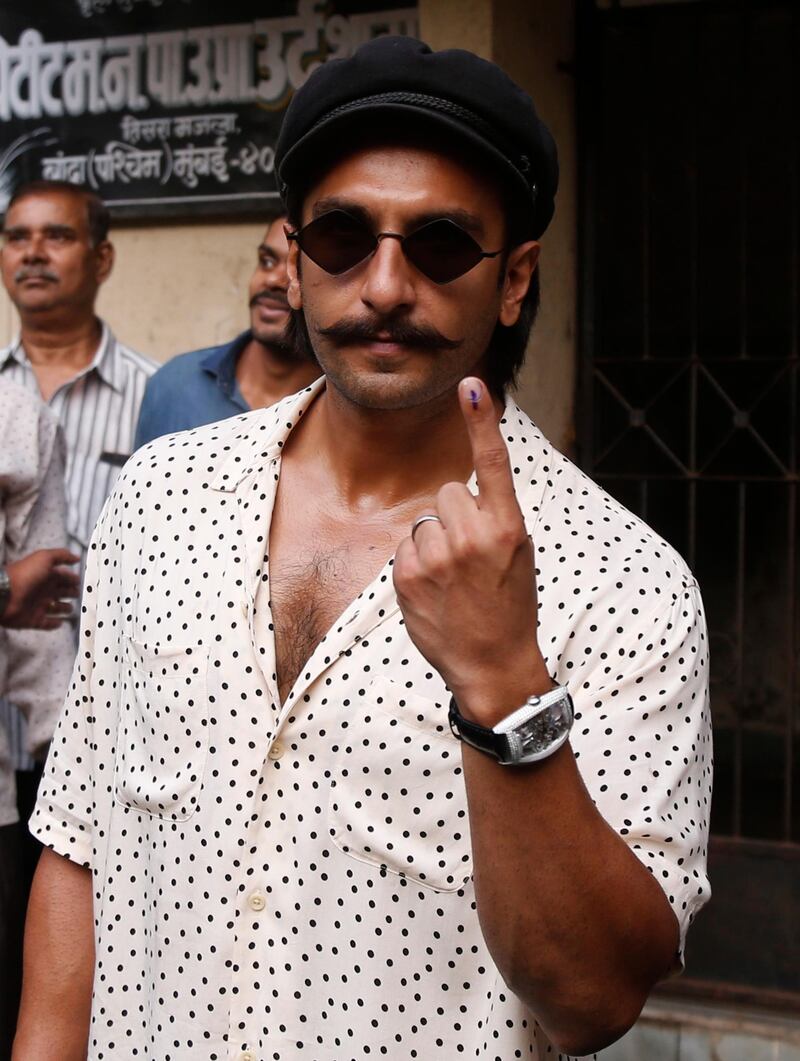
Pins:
x,y
221,361
106,362
13,352
530,455
263,435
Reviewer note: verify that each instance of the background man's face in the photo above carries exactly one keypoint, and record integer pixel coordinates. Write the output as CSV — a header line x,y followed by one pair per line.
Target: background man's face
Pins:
x,y
269,310
385,335
48,260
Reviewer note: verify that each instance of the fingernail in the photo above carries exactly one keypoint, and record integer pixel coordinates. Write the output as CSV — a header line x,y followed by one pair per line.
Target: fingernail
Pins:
x,y
475,392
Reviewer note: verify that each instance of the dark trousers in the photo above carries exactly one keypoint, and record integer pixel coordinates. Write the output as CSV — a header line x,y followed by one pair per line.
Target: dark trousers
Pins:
x,y
19,853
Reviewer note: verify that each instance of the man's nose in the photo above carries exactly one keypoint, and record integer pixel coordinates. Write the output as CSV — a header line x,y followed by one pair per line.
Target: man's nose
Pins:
x,y
34,249
388,278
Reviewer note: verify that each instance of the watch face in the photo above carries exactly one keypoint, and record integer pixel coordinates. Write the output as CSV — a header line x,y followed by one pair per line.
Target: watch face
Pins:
x,y
544,733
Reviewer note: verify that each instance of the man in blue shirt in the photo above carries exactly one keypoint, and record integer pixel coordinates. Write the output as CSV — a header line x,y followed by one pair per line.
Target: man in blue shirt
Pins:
x,y
256,369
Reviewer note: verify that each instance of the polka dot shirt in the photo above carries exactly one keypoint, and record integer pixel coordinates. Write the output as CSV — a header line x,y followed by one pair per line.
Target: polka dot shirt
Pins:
x,y
276,882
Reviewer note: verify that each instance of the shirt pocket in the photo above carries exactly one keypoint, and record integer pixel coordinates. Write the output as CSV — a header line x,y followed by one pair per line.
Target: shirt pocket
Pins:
x,y
397,797
162,739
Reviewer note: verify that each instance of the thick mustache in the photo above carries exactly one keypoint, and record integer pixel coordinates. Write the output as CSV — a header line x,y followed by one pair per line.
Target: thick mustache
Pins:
x,y
276,297
374,329
33,274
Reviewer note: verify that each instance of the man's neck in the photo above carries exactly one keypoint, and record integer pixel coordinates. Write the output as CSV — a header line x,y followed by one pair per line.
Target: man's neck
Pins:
x,y
385,458
265,375
69,343
60,351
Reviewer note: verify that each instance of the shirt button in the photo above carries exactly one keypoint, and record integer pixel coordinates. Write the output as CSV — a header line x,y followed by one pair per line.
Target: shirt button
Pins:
x,y
257,901
276,751
246,1055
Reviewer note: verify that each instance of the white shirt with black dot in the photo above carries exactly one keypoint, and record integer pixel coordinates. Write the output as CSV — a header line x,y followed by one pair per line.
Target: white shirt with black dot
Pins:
x,y
287,881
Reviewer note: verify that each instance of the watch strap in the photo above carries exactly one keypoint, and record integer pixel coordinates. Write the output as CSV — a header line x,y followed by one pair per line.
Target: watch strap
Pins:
x,y
533,732
480,737
5,590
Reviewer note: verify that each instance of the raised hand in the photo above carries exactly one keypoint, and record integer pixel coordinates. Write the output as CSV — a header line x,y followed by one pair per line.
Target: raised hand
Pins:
x,y
466,582
39,585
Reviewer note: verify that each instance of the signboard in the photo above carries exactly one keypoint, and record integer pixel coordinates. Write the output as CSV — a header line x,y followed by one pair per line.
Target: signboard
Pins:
x,y
160,106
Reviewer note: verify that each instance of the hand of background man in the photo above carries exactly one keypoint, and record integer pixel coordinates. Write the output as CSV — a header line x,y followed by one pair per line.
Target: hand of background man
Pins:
x,y
39,582
467,585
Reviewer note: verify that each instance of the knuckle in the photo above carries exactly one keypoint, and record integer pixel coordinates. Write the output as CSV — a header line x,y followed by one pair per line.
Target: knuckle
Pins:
x,y
510,537
402,588
437,565
467,548
401,573
494,458
450,491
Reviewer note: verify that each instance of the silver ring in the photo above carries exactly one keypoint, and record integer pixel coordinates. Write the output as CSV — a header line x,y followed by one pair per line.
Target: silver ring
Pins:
x,y
423,519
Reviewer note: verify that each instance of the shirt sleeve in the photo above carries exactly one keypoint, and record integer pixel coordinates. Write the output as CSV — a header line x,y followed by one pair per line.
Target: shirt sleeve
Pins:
x,y
39,662
34,505
63,815
642,737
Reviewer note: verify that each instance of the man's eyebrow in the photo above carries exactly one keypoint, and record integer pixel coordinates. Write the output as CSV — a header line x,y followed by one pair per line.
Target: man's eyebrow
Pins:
x,y
49,230
264,248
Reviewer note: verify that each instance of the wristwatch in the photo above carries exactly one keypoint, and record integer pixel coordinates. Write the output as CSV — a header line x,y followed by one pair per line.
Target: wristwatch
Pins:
x,y
528,735
5,590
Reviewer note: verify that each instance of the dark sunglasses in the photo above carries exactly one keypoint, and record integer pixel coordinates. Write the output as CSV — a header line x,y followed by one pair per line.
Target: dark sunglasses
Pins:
x,y
441,249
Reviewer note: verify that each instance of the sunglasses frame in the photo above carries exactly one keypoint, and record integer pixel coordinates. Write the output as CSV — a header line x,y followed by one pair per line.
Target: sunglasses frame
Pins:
x,y
378,237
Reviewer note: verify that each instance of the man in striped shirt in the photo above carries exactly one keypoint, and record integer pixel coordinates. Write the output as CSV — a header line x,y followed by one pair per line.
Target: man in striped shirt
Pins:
x,y
55,256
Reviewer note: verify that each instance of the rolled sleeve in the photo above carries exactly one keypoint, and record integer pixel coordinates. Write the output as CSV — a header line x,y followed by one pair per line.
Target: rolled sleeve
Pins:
x,y
649,767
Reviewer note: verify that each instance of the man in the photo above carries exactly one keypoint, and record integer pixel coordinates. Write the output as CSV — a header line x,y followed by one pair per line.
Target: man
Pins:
x,y
256,369
35,587
295,856
55,256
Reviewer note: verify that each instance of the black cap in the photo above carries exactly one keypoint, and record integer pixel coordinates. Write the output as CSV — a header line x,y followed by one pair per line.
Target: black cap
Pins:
x,y
454,90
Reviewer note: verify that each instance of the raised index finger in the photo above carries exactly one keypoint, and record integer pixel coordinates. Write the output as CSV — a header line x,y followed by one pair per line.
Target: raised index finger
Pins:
x,y
489,453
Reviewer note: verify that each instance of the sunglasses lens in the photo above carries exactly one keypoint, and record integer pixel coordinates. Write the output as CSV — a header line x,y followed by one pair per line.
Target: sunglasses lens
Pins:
x,y
336,242
442,250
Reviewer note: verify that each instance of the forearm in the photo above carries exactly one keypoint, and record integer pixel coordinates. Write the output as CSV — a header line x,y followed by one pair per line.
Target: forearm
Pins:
x,y
578,927
59,964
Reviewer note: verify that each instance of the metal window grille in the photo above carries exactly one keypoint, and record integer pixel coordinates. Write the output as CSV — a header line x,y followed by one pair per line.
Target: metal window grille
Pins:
x,y
690,119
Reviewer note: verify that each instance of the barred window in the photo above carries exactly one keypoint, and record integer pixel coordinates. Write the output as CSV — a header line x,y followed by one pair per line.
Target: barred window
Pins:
x,y
690,119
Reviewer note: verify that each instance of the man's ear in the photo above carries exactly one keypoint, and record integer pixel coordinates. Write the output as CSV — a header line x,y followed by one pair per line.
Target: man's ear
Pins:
x,y
293,293
104,257
522,262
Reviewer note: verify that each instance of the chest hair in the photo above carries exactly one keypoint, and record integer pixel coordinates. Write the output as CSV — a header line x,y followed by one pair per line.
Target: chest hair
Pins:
x,y
308,594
